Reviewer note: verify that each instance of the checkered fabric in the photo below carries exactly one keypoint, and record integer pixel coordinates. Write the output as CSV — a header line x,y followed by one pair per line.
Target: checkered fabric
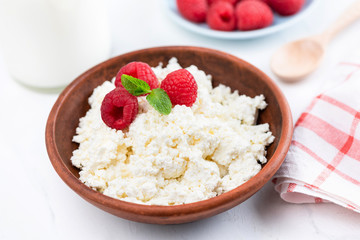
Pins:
x,y
323,163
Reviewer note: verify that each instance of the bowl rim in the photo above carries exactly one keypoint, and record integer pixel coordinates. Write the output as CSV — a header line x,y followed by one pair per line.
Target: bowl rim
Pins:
x,y
225,199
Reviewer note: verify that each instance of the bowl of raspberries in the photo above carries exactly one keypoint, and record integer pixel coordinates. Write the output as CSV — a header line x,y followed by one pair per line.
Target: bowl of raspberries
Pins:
x,y
238,19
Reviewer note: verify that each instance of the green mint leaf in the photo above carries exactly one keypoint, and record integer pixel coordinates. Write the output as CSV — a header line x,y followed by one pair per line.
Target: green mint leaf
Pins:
x,y
159,99
135,86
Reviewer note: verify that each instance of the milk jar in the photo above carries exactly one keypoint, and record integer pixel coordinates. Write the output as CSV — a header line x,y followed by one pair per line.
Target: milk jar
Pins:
x,y
48,43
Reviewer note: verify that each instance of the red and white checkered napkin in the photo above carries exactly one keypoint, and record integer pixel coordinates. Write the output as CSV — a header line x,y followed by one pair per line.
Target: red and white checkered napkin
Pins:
x,y
323,163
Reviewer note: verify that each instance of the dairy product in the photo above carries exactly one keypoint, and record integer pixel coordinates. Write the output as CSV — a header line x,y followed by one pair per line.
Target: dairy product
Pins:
x,y
192,154
48,43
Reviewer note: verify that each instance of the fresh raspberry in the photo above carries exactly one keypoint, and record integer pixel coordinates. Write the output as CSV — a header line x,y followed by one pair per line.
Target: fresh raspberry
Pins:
x,y
193,10
181,87
253,14
286,7
138,70
221,16
119,108
233,2
265,1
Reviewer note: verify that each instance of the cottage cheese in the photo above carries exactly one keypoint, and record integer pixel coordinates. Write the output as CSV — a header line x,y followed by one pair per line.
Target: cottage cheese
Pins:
x,y
190,155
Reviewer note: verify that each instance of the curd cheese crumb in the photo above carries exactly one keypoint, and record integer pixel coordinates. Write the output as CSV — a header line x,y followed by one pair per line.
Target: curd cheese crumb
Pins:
x,y
192,154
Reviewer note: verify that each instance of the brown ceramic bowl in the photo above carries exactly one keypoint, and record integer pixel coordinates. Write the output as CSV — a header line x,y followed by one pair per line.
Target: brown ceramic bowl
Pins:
x,y
72,104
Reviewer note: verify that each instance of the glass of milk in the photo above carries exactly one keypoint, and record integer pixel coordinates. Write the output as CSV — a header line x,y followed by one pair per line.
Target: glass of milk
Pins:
x,y
48,43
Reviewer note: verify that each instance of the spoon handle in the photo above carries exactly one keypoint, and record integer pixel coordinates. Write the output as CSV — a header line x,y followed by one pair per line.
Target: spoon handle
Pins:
x,y
346,18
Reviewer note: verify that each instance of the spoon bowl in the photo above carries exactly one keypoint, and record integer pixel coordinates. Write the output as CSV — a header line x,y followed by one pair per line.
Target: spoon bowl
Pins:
x,y
296,60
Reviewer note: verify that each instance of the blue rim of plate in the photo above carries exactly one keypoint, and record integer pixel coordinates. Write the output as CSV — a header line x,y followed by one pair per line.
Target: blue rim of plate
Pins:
x,y
280,23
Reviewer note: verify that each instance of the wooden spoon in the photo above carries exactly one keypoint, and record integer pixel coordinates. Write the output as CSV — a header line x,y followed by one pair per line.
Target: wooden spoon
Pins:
x,y
295,60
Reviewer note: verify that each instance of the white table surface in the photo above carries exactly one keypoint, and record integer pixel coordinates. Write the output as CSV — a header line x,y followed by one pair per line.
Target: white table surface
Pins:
x,y
36,204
